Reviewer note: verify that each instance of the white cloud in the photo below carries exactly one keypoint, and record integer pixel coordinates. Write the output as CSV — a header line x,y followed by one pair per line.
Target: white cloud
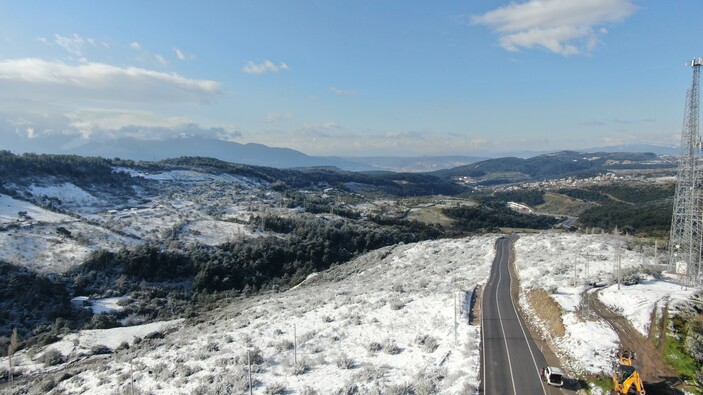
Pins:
x,y
135,45
52,131
179,54
53,80
274,117
72,44
565,27
342,92
265,67
115,119
159,58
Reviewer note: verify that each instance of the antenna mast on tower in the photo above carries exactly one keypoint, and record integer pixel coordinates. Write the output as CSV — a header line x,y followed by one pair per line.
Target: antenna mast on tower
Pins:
x,y
686,238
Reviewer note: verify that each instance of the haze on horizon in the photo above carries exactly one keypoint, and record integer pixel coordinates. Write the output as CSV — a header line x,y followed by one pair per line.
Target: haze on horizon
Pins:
x,y
348,78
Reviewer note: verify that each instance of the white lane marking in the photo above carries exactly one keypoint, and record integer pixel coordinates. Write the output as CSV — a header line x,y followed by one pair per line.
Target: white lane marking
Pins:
x,y
500,319
525,334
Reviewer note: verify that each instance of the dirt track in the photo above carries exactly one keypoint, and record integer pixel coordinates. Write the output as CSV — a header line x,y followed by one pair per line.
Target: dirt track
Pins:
x,y
656,375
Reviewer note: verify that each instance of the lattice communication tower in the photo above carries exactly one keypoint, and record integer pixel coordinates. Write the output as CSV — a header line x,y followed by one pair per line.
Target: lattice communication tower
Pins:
x,y
686,238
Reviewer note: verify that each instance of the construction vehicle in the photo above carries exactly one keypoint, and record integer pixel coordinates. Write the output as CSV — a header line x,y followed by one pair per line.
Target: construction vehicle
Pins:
x,y
626,378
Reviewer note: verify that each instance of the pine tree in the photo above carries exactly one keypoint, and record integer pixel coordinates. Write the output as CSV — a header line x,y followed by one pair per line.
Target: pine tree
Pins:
x,y
11,351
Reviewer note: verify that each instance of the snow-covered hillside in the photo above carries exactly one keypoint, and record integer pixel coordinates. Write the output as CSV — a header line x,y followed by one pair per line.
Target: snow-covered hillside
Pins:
x,y
564,264
188,206
47,241
382,322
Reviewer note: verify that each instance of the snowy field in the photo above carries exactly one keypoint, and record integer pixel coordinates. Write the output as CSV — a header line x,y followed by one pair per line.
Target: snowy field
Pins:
x,y
562,264
637,302
33,239
10,209
382,322
192,207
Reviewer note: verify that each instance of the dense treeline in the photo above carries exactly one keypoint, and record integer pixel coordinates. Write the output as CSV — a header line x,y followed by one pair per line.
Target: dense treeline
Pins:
x,y
637,193
29,300
303,246
652,217
310,245
83,171
625,193
588,195
495,215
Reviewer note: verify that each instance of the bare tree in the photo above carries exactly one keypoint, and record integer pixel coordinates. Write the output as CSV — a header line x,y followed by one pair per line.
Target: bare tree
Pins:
x,y
11,351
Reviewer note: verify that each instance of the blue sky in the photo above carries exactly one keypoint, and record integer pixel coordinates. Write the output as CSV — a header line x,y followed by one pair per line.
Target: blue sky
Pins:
x,y
348,77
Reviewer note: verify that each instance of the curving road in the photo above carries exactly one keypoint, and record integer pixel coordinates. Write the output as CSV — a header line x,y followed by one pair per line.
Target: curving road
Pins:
x,y
510,359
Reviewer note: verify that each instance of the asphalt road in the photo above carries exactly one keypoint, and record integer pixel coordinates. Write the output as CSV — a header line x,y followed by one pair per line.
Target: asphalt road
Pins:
x,y
510,359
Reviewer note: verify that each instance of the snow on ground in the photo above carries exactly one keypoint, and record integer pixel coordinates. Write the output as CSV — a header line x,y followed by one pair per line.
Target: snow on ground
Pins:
x,y
67,193
192,176
75,345
562,264
371,313
41,249
105,305
214,233
10,207
636,302
556,262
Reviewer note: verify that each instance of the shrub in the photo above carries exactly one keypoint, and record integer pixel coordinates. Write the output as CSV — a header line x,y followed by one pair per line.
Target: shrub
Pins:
x,y
283,345
308,391
301,367
400,389
47,384
390,347
255,357
100,349
630,277
103,321
427,343
348,389
428,381
123,346
52,357
344,361
275,389
375,346
153,335
396,304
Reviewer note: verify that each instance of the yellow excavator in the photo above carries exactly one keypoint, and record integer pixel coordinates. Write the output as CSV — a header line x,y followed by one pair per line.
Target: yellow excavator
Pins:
x,y
626,377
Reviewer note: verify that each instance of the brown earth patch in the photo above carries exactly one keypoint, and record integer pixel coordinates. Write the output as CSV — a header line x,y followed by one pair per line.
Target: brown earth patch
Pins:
x,y
547,309
649,360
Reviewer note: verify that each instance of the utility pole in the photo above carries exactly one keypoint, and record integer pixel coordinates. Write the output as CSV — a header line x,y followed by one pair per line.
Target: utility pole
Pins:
x,y
617,261
686,237
455,323
251,387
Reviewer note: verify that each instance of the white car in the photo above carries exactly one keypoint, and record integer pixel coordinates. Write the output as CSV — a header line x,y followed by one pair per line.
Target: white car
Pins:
x,y
553,376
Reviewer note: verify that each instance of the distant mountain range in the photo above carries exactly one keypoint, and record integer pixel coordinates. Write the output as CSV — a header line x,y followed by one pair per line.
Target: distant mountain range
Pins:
x,y
249,154
262,155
